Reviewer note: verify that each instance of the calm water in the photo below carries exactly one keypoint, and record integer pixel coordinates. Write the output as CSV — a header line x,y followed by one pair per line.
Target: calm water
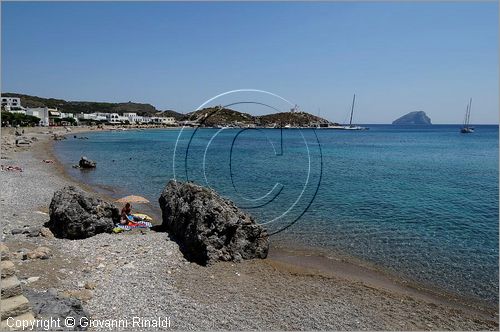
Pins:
x,y
422,202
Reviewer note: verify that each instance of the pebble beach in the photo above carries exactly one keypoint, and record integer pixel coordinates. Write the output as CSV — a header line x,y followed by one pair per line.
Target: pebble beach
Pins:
x,y
142,273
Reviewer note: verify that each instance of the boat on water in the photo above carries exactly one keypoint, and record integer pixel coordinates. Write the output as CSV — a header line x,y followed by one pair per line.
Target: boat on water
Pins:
x,y
345,127
466,128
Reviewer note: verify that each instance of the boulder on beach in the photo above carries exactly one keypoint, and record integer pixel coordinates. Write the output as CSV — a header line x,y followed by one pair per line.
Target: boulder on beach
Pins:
x,y
52,305
210,228
75,214
86,163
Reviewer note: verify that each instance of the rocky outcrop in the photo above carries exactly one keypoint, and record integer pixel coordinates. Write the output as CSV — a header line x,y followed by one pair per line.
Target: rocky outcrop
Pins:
x,y
75,214
86,163
208,227
413,118
52,305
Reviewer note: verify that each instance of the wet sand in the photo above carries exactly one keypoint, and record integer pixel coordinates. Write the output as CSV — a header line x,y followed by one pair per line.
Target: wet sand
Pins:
x,y
314,262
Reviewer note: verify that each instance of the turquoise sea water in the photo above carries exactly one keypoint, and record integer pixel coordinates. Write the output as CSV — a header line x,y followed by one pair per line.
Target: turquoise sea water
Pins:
x,y
420,201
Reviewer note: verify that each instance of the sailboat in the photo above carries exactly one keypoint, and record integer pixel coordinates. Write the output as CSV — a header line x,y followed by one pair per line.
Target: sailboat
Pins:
x,y
466,129
350,126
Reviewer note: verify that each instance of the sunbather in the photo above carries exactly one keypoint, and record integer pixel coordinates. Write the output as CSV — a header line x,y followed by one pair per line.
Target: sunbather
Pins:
x,y
125,215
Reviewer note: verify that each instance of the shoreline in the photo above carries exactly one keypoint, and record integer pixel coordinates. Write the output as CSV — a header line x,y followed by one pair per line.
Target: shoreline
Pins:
x,y
293,267
313,261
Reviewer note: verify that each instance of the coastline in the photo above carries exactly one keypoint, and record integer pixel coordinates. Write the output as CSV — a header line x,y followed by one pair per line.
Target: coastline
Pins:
x,y
311,296
290,257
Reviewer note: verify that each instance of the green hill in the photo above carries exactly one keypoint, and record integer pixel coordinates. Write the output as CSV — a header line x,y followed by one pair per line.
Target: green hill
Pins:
x,y
298,119
84,106
212,116
170,113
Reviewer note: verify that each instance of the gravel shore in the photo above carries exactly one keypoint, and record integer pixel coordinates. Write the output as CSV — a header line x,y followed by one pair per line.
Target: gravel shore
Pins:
x,y
143,273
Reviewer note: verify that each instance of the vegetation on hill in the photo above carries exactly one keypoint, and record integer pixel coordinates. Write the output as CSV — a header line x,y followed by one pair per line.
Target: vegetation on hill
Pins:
x,y
298,119
15,119
173,114
213,116
210,116
83,106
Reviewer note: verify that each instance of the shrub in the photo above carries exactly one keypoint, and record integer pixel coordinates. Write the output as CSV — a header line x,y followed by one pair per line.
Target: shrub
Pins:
x,y
15,119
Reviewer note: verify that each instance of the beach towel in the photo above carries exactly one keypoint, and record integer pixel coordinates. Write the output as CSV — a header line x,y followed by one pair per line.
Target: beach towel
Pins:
x,y
135,224
141,216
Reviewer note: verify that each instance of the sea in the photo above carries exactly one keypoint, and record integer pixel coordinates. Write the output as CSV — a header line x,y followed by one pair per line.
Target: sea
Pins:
x,y
418,201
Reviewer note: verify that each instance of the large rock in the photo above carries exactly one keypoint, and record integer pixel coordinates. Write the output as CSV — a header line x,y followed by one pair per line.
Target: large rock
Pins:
x,y
75,214
51,305
208,227
86,163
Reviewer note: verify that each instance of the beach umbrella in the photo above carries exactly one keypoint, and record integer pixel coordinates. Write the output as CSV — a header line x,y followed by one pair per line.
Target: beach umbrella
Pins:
x,y
132,199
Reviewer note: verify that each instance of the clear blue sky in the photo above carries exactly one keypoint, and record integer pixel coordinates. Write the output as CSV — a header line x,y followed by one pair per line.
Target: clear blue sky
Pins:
x,y
397,57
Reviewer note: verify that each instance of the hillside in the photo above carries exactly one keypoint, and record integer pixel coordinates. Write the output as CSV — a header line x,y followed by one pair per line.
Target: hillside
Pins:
x,y
83,106
170,113
413,118
211,116
298,119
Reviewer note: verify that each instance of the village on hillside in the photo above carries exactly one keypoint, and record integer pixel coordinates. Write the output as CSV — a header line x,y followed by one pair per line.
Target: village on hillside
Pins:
x,y
15,114
54,117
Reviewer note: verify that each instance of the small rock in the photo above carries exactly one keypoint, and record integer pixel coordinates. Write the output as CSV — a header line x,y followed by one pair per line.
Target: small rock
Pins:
x,y
21,254
39,253
90,285
53,292
32,279
33,231
81,294
16,231
86,163
45,232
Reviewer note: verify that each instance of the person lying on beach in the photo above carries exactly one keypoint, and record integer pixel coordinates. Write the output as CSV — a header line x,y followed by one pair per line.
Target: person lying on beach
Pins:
x,y
11,168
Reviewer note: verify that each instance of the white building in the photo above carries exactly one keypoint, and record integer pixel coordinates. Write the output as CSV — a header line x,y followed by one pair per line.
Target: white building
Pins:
x,y
134,118
40,112
12,104
91,117
115,118
163,120
45,114
67,115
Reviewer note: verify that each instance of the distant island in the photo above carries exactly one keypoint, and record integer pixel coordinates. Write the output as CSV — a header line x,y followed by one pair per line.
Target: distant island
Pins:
x,y
413,118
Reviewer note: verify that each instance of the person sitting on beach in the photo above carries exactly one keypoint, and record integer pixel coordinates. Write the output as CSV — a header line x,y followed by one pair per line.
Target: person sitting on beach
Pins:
x,y
125,215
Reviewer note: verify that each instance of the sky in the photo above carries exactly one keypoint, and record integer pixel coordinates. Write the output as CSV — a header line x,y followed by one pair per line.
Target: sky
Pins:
x,y
396,57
